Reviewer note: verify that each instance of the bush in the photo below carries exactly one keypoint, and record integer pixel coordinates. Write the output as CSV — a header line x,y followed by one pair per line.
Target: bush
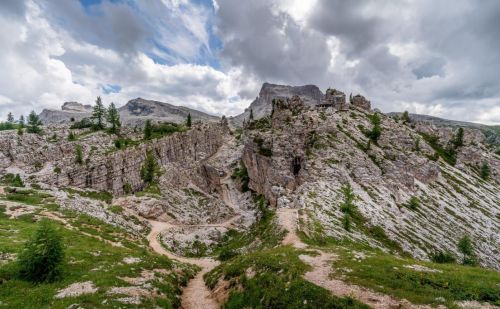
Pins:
x,y
127,188
42,255
442,257
485,171
413,203
226,254
150,170
82,124
241,174
71,136
78,154
466,247
13,180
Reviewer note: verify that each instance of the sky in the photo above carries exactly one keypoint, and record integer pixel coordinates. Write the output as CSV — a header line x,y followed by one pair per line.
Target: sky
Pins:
x,y
435,57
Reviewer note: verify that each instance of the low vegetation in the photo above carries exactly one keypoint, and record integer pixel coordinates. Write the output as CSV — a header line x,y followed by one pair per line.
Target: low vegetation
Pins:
x,y
86,258
272,278
42,256
417,281
104,196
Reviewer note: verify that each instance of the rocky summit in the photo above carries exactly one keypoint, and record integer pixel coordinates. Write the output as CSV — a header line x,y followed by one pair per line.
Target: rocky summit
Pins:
x,y
305,200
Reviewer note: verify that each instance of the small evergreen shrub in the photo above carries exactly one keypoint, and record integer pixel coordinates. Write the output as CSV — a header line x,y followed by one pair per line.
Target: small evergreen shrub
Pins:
x,y
42,255
413,203
485,171
442,257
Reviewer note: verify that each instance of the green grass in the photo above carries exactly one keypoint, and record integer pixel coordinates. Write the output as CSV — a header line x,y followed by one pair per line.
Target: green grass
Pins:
x,y
27,196
448,154
96,195
276,282
116,209
387,274
264,233
86,259
166,128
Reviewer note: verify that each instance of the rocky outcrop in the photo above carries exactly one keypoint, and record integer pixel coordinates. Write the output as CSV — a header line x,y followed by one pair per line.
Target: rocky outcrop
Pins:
x,y
262,105
104,167
361,102
122,168
305,155
76,107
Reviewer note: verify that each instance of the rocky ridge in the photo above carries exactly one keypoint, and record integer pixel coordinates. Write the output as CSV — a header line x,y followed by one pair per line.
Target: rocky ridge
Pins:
x,y
134,112
301,157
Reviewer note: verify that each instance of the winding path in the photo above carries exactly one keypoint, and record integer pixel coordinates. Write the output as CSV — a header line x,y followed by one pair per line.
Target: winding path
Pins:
x,y
196,294
321,267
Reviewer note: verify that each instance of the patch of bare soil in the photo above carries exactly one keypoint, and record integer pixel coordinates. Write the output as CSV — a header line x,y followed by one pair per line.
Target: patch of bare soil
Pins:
x,y
288,218
77,289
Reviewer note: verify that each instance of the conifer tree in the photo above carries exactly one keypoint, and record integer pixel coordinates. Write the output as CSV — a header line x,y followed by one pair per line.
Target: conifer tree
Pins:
x,y
150,170
78,154
43,254
188,121
406,117
10,118
34,123
148,130
98,114
251,114
459,138
485,171
113,117
21,121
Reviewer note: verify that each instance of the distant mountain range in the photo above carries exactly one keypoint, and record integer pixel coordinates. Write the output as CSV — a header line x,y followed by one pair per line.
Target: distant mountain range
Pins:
x,y
492,133
135,112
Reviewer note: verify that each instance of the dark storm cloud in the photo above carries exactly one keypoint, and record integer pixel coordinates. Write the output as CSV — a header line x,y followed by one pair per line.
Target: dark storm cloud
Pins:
x,y
438,55
358,29
429,68
270,45
112,25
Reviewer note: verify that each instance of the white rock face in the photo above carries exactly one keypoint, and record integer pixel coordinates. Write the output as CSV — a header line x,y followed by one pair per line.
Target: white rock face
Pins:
x,y
305,154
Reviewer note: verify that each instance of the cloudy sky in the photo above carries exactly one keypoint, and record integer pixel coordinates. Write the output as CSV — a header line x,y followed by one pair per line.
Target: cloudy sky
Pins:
x,y
437,57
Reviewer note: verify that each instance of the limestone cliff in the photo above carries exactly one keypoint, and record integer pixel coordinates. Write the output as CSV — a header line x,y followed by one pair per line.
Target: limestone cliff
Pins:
x,y
301,156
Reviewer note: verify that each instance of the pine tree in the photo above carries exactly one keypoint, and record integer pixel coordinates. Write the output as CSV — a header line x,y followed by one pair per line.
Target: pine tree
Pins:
x,y
466,247
459,138
251,114
10,118
71,136
21,121
43,254
78,154
350,98
150,170
20,130
188,121
113,118
485,171
34,123
406,117
98,114
148,130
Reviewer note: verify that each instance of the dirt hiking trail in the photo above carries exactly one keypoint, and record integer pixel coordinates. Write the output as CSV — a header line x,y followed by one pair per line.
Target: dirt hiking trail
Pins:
x,y
321,265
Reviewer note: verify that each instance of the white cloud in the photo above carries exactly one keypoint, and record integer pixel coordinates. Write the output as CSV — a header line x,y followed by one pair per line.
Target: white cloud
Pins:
x,y
44,66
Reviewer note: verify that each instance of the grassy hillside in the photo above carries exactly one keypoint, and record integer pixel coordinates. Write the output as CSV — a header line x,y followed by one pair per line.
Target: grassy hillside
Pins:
x,y
125,273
